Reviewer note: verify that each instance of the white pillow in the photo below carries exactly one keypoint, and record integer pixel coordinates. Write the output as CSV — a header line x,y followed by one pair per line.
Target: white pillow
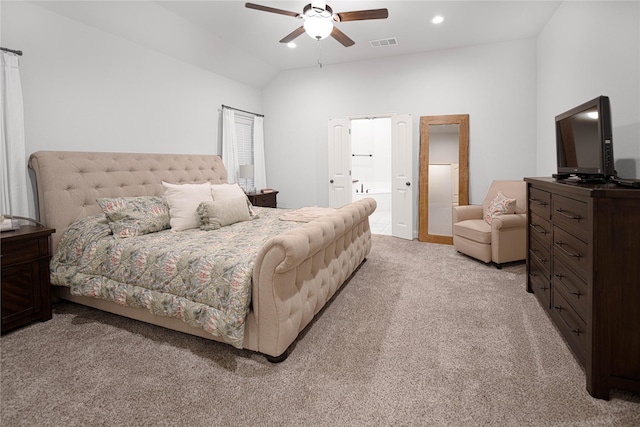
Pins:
x,y
226,191
183,200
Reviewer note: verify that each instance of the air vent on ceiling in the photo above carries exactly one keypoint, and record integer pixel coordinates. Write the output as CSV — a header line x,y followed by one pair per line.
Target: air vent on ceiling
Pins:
x,y
384,42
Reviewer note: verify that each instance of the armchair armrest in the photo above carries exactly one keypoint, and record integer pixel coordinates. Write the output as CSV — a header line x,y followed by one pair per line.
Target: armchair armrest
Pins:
x,y
465,212
508,238
509,221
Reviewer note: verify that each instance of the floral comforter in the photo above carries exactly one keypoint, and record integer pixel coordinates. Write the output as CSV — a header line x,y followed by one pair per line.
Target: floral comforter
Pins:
x,y
201,277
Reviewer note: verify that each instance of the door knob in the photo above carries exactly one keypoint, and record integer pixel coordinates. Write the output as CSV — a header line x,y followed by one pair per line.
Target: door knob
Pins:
x,y
330,181
408,183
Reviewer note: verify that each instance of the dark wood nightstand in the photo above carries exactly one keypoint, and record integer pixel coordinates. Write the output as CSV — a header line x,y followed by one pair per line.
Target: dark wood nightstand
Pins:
x,y
25,284
266,200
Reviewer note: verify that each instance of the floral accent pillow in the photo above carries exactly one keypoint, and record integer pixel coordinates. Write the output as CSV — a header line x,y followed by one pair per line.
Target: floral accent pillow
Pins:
x,y
500,205
135,216
220,213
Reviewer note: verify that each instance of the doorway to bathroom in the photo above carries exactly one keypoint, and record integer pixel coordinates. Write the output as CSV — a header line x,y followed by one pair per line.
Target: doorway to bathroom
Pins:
x,y
373,157
371,168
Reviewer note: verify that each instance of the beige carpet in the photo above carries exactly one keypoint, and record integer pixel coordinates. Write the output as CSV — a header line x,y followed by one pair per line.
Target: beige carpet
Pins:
x,y
421,335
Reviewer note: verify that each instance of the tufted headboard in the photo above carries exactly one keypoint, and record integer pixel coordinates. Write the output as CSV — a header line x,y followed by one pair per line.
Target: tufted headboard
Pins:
x,y
69,182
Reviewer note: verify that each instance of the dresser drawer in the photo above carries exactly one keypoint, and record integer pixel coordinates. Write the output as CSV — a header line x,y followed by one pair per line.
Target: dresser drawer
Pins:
x,y
575,290
570,324
541,254
539,282
541,229
540,203
572,215
572,251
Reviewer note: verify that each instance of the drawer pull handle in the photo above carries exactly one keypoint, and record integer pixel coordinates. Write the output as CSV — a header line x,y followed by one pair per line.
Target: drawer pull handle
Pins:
x,y
538,202
571,254
576,331
538,229
576,293
569,214
533,254
559,276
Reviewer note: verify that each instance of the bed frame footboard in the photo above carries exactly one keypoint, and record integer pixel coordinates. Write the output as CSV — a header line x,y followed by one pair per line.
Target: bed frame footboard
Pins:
x,y
297,273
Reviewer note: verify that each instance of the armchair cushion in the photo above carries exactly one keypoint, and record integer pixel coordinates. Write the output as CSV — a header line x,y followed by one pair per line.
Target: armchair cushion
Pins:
x,y
499,205
476,230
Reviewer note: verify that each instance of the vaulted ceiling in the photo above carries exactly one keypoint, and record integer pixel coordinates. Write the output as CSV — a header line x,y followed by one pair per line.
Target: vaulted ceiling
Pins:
x,y
243,44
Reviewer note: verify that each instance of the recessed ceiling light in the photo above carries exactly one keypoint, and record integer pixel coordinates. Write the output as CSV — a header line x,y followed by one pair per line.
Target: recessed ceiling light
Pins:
x,y
437,19
291,45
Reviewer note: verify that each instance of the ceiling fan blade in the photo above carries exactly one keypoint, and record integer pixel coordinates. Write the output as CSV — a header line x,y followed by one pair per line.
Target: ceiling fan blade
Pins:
x,y
361,15
293,35
342,37
271,9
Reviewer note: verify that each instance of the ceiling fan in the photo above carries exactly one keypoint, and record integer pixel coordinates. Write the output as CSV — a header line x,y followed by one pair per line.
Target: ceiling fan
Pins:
x,y
319,19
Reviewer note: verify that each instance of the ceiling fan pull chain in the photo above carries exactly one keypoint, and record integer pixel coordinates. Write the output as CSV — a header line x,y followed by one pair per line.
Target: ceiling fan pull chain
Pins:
x,y
319,62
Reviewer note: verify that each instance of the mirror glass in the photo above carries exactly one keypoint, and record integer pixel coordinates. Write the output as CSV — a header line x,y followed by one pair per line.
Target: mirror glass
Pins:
x,y
443,177
444,174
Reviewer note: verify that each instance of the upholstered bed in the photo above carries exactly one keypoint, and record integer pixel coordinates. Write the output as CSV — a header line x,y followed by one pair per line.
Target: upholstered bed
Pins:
x,y
291,273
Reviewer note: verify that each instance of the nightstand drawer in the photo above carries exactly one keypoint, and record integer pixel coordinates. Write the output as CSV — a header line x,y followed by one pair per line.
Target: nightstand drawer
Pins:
x,y
265,200
18,251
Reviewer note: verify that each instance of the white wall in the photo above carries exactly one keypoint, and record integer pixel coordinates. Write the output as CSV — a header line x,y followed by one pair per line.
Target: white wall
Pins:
x,y
589,49
87,90
494,84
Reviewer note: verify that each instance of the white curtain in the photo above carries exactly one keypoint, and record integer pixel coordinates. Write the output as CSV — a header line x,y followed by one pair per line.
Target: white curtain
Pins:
x,y
259,170
14,162
230,145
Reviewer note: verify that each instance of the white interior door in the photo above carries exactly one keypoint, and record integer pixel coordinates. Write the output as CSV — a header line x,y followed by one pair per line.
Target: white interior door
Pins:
x,y
339,163
402,186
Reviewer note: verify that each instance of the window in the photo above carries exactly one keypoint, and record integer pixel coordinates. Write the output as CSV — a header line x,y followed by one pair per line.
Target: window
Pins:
x,y
244,135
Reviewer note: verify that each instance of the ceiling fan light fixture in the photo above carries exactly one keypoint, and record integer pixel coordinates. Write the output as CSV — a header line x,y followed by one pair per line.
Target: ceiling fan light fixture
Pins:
x,y
318,27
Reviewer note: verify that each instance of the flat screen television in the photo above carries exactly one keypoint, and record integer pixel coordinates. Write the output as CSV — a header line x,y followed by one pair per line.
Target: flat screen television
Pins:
x,y
584,145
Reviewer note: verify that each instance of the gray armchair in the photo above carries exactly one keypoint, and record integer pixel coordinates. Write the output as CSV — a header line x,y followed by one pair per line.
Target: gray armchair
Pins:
x,y
505,239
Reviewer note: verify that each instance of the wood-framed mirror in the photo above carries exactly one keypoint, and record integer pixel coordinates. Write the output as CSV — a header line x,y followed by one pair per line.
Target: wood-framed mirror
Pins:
x,y
444,174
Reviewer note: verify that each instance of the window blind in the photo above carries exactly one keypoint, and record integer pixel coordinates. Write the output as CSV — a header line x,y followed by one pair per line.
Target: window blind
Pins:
x,y
244,135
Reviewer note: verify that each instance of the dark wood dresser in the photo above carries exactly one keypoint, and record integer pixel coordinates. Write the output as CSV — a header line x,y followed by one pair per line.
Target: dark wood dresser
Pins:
x,y
25,276
583,265
266,200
